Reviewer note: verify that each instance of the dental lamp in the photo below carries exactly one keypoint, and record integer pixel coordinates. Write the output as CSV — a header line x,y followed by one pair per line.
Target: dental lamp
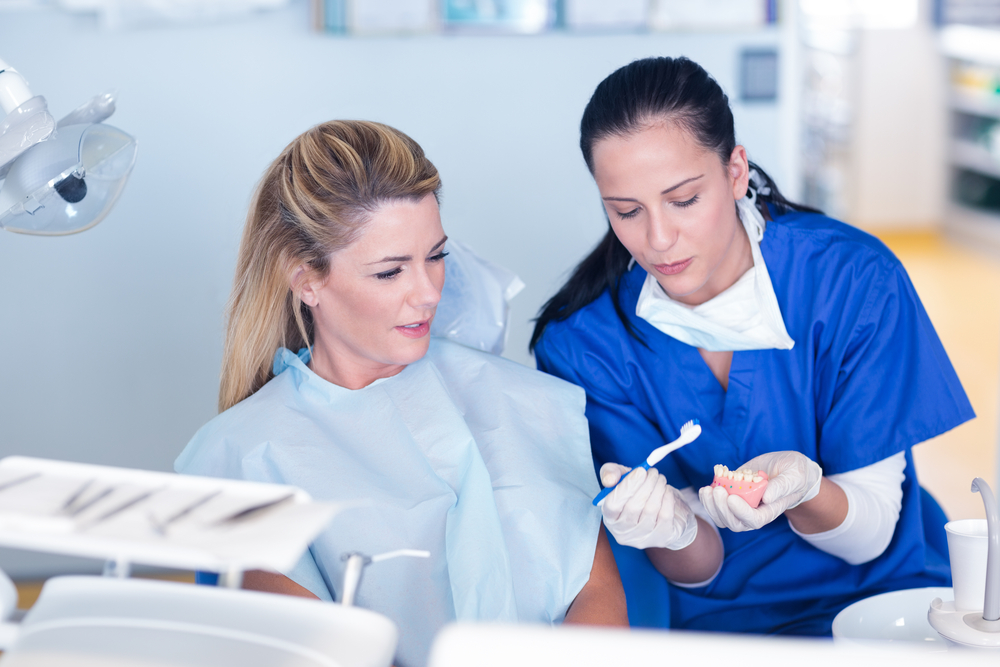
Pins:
x,y
57,178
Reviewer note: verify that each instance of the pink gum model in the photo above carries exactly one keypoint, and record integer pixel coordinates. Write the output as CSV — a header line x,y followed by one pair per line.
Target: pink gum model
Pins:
x,y
745,483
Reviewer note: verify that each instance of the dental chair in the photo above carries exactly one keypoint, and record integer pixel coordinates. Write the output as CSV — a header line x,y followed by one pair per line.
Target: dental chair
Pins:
x,y
89,620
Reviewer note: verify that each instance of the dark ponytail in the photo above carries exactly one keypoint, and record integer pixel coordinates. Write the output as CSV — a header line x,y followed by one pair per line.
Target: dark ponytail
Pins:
x,y
675,89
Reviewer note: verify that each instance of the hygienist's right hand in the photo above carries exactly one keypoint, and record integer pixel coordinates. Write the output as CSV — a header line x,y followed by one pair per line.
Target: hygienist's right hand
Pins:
x,y
644,511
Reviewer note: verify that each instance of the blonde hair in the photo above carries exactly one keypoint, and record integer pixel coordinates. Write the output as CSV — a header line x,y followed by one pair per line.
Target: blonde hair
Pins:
x,y
313,200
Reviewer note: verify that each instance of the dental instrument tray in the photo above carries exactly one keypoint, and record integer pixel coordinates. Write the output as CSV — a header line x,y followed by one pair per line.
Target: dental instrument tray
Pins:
x,y
155,518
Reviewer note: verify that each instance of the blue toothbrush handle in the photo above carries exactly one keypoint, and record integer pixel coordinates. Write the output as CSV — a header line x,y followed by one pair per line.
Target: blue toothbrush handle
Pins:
x,y
604,492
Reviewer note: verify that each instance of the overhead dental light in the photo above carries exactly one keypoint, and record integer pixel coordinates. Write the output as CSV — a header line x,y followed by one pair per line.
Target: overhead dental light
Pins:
x,y
57,178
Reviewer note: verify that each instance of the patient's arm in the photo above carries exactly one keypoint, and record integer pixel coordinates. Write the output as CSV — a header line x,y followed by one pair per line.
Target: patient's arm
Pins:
x,y
601,601
272,582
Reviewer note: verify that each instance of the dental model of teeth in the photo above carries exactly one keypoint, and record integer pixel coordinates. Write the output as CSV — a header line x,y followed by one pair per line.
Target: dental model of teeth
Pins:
x,y
745,483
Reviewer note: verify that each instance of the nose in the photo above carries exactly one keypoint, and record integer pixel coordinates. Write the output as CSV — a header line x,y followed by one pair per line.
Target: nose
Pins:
x,y
661,232
425,292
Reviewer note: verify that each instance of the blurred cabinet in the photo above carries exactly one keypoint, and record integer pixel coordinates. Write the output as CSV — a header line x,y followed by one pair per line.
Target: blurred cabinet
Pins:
x,y
873,144
974,136
829,99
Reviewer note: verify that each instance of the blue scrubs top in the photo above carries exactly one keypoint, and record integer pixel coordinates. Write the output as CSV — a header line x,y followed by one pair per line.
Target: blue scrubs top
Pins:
x,y
867,378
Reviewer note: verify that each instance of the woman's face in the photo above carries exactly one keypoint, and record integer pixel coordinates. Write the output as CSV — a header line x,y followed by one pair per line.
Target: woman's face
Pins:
x,y
373,311
672,204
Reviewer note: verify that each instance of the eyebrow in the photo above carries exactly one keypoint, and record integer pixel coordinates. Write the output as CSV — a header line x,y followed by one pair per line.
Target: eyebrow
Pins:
x,y
407,258
670,189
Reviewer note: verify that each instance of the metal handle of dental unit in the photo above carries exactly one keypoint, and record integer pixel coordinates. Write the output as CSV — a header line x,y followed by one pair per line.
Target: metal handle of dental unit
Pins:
x,y
991,602
356,563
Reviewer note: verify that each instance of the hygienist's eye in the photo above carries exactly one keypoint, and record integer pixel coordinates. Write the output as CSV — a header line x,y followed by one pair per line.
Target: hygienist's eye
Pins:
x,y
628,214
438,257
386,275
689,202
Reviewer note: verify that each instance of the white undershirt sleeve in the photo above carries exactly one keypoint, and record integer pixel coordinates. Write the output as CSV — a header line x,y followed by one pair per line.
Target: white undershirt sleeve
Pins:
x,y
874,501
690,496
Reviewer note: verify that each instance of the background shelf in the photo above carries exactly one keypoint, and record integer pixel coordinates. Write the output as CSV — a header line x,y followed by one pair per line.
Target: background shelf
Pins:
x,y
979,105
975,227
975,157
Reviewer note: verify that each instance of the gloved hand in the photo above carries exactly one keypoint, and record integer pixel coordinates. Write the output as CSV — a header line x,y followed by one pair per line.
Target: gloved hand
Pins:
x,y
644,511
792,479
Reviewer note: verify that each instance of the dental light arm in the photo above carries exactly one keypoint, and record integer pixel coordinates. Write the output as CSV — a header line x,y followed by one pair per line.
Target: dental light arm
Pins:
x,y
13,88
26,118
57,178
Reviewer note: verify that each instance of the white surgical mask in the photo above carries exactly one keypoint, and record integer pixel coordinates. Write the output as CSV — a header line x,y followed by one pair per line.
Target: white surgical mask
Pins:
x,y
743,317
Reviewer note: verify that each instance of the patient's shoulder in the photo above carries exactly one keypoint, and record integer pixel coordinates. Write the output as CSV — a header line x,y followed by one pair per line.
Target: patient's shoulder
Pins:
x,y
461,365
492,392
231,435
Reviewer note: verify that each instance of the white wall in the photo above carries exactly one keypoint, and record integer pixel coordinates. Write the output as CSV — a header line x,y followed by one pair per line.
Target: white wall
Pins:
x,y
110,341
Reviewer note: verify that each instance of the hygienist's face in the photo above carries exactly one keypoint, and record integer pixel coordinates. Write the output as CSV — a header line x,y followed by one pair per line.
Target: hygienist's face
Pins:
x,y
373,312
671,202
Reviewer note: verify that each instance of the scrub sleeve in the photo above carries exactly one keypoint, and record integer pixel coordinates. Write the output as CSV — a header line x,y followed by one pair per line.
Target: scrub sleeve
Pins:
x,y
867,378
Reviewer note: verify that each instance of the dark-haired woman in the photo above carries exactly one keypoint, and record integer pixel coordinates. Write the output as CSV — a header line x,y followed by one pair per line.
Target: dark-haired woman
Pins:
x,y
797,341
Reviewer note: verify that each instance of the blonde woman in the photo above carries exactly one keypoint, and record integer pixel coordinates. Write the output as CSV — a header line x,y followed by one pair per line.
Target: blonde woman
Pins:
x,y
481,461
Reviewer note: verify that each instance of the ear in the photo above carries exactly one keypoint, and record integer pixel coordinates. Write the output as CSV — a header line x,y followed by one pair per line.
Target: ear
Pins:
x,y
739,172
303,283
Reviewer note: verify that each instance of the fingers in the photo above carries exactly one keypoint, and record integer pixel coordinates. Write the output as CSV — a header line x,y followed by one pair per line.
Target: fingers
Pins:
x,y
733,512
777,487
644,511
707,501
671,505
722,508
645,515
710,501
749,518
611,473
717,503
624,492
685,524
790,474
646,494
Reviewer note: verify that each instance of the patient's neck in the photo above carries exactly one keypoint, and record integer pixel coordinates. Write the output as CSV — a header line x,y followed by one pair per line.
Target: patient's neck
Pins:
x,y
347,370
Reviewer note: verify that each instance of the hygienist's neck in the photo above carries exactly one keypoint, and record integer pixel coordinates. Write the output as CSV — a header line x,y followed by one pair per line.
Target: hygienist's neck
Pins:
x,y
349,371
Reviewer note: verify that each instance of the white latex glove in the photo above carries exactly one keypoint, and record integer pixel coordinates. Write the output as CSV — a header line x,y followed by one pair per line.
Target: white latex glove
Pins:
x,y
792,479
644,511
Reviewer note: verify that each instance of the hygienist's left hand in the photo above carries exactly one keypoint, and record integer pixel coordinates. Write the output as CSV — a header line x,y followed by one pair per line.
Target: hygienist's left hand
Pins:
x,y
792,480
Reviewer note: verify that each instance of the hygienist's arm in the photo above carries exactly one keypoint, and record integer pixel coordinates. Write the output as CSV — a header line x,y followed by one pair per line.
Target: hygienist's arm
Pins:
x,y
824,512
867,500
601,601
698,563
272,582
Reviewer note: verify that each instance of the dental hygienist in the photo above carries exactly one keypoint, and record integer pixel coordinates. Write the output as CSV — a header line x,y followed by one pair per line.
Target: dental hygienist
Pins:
x,y
797,341
482,462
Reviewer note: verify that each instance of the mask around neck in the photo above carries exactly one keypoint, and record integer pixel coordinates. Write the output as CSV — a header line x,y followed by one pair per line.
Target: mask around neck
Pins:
x,y
745,316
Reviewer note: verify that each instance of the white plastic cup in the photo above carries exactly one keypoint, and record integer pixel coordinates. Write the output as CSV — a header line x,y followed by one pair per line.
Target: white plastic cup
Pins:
x,y
967,549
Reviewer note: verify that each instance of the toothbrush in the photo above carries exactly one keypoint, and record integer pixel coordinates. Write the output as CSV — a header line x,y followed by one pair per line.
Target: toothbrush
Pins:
x,y
689,432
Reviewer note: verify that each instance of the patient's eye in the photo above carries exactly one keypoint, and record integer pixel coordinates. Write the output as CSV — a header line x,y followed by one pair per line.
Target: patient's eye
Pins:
x,y
438,257
387,275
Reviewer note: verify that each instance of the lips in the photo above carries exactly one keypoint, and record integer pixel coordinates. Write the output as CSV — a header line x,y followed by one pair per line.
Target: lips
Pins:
x,y
415,330
675,268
